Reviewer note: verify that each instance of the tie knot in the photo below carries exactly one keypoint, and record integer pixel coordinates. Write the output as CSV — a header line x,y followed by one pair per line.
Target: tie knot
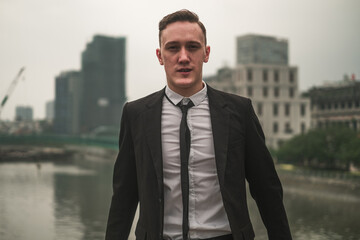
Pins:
x,y
185,104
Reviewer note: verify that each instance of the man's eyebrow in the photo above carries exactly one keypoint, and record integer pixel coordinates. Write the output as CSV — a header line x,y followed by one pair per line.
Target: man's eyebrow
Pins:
x,y
194,42
172,42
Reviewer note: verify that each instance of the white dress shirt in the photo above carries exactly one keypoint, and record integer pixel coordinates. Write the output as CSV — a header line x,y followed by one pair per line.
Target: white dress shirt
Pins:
x,y
207,216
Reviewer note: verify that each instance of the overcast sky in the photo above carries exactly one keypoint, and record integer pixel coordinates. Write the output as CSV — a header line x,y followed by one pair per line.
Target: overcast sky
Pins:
x,y
48,36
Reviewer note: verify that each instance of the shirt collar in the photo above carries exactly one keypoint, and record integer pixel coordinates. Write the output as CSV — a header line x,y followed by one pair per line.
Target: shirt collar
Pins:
x,y
197,98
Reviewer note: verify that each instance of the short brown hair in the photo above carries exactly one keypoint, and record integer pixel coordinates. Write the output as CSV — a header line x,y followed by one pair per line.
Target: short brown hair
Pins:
x,y
183,15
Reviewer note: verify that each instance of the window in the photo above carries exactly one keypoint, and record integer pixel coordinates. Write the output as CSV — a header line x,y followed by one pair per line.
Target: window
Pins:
x,y
265,75
249,75
287,128
259,109
276,75
287,109
276,92
249,91
275,109
275,127
291,77
291,92
342,105
303,128
265,91
302,110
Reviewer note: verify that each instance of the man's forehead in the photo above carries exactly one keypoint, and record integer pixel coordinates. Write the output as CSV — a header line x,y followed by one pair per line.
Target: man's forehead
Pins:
x,y
182,31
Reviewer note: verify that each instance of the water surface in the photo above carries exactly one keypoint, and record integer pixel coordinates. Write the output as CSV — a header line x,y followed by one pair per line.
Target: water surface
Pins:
x,y
71,200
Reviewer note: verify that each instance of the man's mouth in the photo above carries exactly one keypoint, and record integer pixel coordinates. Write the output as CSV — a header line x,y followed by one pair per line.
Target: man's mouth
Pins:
x,y
184,70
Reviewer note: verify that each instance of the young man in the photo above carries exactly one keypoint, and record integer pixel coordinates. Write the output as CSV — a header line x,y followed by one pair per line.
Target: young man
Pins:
x,y
185,152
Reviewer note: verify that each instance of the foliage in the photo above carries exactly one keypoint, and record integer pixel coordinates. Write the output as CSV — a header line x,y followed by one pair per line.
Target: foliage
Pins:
x,y
333,148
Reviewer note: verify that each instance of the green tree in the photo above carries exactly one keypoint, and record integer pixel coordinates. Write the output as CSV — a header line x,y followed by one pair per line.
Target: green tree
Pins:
x,y
334,148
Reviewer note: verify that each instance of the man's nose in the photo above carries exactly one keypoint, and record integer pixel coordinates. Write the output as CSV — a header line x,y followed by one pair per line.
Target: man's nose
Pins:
x,y
184,55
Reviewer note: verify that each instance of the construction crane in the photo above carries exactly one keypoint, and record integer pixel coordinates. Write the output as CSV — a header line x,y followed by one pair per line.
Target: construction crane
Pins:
x,y
11,88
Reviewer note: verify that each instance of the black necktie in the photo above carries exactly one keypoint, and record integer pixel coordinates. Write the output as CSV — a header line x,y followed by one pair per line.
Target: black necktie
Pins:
x,y
184,157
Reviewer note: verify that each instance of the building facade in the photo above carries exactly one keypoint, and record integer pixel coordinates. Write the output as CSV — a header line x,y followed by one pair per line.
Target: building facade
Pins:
x,y
66,109
336,104
50,110
23,113
102,84
273,89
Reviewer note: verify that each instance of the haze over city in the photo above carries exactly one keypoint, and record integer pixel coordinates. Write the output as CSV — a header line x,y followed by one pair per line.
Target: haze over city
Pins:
x,y
48,37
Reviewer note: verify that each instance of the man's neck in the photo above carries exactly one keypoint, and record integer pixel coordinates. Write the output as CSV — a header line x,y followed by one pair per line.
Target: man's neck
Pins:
x,y
188,92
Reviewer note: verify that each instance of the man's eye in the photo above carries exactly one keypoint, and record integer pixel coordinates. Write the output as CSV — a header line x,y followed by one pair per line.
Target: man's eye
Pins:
x,y
193,47
172,48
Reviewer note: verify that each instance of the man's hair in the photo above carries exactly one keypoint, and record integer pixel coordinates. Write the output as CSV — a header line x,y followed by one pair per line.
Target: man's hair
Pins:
x,y
183,15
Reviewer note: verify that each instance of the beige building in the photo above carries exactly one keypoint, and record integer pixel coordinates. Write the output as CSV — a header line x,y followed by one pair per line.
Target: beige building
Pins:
x,y
273,89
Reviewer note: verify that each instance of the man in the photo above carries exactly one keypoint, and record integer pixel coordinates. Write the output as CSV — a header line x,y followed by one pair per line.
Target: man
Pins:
x,y
174,156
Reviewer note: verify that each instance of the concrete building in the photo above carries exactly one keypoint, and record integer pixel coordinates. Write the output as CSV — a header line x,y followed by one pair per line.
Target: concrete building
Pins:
x,y
102,85
272,85
66,119
50,110
24,113
336,104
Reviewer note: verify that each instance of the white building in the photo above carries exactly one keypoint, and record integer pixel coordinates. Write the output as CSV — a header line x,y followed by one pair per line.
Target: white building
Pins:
x,y
49,110
273,89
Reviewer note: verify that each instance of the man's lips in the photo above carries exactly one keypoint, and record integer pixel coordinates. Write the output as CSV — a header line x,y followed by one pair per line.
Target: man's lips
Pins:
x,y
184,70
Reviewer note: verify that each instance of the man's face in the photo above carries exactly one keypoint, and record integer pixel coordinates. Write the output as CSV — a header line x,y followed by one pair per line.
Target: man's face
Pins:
x,y
183,52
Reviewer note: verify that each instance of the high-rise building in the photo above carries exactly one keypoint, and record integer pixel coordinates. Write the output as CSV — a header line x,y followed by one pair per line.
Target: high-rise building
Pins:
x,y
23,113
102,85
49,111
260,49
66,119
263,75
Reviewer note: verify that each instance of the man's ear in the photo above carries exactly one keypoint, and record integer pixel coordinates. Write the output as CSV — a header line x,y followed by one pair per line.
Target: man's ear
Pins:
x,y
158,54
207,54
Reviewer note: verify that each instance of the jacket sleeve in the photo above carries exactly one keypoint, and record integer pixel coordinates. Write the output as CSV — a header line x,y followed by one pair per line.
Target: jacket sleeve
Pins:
x,y
264,183
125,193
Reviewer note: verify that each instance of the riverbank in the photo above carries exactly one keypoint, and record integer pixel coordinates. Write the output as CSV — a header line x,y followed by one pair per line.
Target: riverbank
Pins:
x,y
346,183
17,153
335,185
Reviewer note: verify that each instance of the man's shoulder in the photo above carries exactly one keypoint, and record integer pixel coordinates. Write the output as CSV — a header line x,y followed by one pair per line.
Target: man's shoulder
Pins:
x,y
141,104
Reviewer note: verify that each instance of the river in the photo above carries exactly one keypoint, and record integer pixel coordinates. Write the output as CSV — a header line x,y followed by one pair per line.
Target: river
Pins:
x,y
70,201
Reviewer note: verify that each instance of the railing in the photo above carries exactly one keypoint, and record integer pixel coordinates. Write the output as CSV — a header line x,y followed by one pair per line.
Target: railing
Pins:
x,y
58,140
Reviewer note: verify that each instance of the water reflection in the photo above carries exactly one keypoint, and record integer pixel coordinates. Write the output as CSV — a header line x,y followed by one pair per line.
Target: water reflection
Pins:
x,y
71,201
66,201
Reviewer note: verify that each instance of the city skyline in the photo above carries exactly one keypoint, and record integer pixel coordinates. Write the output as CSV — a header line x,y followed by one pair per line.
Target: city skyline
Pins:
x,y
48,37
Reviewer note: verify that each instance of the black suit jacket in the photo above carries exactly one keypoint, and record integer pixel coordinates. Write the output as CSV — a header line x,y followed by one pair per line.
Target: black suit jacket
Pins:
x,y
240,154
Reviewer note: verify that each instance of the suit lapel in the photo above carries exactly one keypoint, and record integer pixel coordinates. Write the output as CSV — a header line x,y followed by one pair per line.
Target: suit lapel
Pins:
x,y
220,127
152,121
